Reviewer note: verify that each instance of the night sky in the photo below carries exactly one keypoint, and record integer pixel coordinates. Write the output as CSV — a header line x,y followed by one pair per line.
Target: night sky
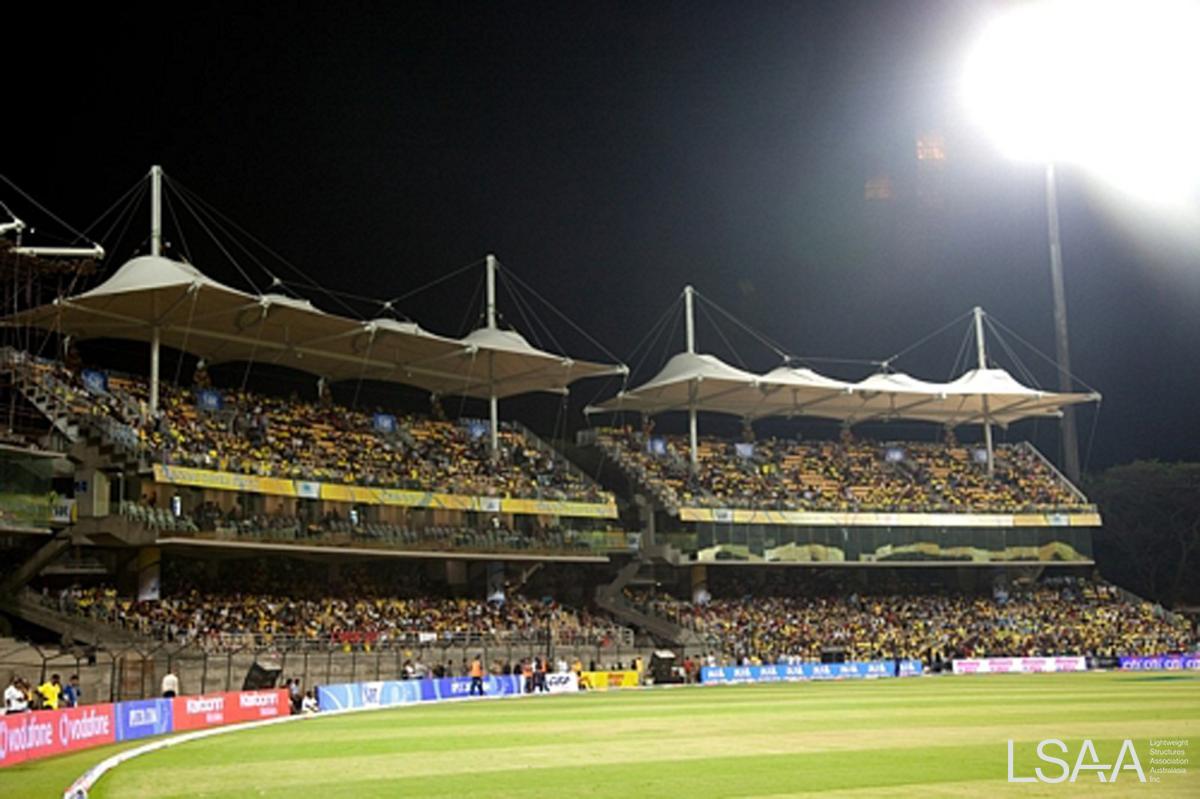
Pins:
x,y
608,154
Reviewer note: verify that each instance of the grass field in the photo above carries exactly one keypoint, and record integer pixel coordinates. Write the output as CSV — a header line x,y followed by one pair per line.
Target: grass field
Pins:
x,y
920,737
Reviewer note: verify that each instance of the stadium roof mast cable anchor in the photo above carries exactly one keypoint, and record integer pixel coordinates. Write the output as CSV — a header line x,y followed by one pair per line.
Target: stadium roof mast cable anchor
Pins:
x,y
18,226
981,352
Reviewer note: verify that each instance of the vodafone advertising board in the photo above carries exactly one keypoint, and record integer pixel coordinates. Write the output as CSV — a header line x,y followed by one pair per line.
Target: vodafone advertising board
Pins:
x,y
41,733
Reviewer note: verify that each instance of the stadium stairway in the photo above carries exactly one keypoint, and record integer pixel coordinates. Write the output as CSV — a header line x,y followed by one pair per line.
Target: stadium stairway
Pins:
x,y
46,554
49,405
26,605
665,632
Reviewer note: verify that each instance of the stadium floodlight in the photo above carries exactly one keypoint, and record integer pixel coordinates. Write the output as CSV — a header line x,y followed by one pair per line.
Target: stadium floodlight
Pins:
x,y
1104,84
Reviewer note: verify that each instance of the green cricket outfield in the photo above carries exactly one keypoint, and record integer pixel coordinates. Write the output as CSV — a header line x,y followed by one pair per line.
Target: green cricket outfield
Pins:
x,y
933,736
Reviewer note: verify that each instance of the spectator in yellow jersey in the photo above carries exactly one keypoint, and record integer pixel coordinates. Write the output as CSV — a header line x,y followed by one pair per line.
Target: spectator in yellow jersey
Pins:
x,y
50,691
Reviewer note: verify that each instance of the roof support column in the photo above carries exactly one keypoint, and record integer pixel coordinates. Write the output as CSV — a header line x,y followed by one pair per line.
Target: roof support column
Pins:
x,y
154,347
493,403
693,439
690,320
981,353
494,429
156,210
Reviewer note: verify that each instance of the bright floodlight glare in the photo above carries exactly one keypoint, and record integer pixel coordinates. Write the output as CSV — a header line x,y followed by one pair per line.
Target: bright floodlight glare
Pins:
x,y
1106,84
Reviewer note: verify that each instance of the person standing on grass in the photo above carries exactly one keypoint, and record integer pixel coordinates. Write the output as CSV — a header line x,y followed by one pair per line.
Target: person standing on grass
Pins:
x,y
295,694
527,674
477,675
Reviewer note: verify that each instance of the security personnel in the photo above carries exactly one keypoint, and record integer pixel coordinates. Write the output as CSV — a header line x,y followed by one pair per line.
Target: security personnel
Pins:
x,y
477,675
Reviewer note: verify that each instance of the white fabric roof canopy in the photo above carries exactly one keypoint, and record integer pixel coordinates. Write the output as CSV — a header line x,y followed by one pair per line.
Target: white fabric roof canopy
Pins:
x,y
206,318
788,391
501,363
690,379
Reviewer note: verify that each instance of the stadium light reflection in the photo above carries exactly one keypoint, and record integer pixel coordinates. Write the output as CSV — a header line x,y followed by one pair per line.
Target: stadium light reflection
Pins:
x,y
1104,84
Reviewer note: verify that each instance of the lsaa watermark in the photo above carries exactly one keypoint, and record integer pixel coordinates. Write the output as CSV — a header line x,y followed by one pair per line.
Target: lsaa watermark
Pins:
x,y
1087,760
1165,756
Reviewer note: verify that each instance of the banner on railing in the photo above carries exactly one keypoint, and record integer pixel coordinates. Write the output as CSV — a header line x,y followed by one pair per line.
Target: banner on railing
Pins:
x,y
367,495
802,518
42,733
1161,662
1028,665
797,672
95,381
209,399
223,481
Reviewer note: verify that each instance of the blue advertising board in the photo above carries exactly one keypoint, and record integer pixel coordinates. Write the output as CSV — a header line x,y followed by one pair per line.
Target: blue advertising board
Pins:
x,y
451,687
369,694
1160,662
143,718
783,672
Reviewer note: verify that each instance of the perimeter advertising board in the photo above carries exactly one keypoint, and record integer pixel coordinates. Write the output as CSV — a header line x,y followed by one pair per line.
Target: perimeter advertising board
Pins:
x,y
454,687
1030,665
143,718
42,733
1161,663
797,672
205,710
607,680
256,705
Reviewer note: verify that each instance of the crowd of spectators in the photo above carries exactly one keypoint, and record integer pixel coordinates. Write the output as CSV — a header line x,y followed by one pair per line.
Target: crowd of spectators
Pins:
x,y
1056,617
357,608
270,436
845,475
334,529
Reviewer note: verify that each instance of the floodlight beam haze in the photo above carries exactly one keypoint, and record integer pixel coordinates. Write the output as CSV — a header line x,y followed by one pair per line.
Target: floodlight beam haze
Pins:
x,y
1108,85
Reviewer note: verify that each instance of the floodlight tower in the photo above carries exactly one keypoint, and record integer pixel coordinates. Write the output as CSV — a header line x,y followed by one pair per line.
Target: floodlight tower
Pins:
x,y
1076,81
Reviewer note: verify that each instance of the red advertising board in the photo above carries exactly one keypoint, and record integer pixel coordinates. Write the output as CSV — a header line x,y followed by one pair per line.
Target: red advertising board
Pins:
x,y
211,710
255,705
204,710
41,733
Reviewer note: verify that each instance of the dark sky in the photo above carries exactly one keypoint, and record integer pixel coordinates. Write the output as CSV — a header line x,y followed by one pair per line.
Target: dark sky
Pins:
x,y
609,153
